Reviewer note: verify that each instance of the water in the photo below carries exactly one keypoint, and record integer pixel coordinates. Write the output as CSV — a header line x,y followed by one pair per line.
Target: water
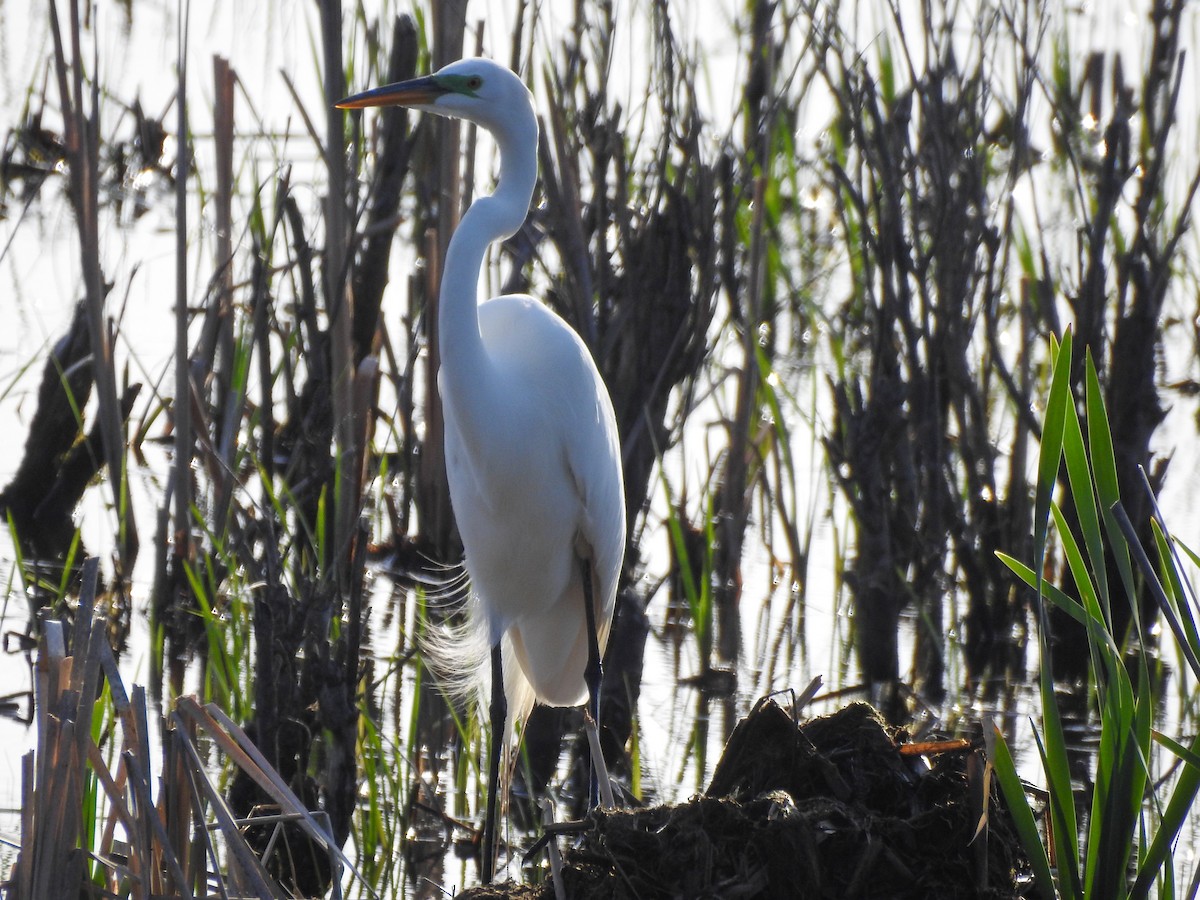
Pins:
x,y
39,272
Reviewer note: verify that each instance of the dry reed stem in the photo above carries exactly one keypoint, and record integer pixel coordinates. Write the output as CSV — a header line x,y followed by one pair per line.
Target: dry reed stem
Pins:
x,y
339,300
81,135
238,746
228,404
163,859
249,866
182,482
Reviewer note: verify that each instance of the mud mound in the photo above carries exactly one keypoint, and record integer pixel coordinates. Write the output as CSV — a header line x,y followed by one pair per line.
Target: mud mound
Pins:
x,y
833,808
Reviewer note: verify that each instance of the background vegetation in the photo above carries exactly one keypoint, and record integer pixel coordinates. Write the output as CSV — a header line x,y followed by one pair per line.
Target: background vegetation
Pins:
x,y
823,311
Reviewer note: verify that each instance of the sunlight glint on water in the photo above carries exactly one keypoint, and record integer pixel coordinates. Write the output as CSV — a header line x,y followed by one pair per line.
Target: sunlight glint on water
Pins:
x,y
39,280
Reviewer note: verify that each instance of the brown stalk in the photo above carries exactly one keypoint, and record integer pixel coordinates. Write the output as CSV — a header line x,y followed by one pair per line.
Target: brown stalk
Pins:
x,y
82,149
182,483
166,855
561,183
227,406
370,276
237,745
339,301
449,24
248,864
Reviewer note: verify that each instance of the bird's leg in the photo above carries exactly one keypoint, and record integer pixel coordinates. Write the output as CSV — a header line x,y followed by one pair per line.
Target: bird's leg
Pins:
x,y
599,787
499,713
560,892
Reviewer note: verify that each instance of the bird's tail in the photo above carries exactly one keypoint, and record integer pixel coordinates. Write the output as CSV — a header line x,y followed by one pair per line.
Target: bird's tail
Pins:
x,y
457,650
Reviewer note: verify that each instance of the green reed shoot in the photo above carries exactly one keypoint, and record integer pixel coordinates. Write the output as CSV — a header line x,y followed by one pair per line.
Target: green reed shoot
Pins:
x,y
695,575
1132,823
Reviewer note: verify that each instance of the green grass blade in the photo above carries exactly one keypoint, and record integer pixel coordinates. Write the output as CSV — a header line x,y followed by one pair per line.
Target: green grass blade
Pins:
x,y
1104,469
1055,595
1155,587
1051,447
1061,797
1022,814
1120,782
1171,822
1082,491
1177,592
1105,656
1054,752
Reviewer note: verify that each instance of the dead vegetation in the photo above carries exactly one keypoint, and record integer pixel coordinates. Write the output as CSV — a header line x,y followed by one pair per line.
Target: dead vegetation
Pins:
x,y
883,291
93,824
836,807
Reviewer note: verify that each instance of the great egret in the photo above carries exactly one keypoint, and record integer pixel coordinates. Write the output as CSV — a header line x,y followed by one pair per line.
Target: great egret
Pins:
x,y
532,453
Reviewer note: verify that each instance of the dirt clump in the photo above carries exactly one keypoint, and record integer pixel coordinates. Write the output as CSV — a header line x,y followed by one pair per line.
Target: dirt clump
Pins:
x,y
831,808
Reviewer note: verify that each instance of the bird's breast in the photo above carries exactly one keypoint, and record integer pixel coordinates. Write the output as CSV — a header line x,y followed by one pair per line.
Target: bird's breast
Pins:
x,y
516,513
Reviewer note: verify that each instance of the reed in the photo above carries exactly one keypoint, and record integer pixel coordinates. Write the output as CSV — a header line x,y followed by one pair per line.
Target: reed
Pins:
x,y
1122,848
91,779
81,131
821,315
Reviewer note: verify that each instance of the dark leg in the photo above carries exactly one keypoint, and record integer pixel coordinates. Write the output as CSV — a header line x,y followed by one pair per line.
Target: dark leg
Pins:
x,y
598,785
594,673
499,739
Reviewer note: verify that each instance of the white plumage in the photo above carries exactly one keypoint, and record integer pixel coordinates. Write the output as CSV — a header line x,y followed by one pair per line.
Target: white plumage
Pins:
x,y
532,452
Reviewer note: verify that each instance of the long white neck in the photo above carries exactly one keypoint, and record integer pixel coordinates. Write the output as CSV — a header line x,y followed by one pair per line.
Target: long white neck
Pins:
x,y
465,367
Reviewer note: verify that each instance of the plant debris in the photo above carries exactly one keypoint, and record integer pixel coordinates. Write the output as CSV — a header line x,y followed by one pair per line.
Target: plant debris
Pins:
x,y
830,808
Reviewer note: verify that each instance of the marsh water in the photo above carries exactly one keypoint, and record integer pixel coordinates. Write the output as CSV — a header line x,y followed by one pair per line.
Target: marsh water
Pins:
x,y
796,622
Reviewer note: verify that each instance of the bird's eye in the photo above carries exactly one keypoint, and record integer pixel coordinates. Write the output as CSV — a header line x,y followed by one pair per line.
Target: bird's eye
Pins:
x,y
474,82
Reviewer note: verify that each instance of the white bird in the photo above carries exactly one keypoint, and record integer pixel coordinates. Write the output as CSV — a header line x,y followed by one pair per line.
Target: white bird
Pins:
x,y
532,452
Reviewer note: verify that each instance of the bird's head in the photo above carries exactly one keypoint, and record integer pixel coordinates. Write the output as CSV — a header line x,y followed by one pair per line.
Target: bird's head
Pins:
x,y
477,89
